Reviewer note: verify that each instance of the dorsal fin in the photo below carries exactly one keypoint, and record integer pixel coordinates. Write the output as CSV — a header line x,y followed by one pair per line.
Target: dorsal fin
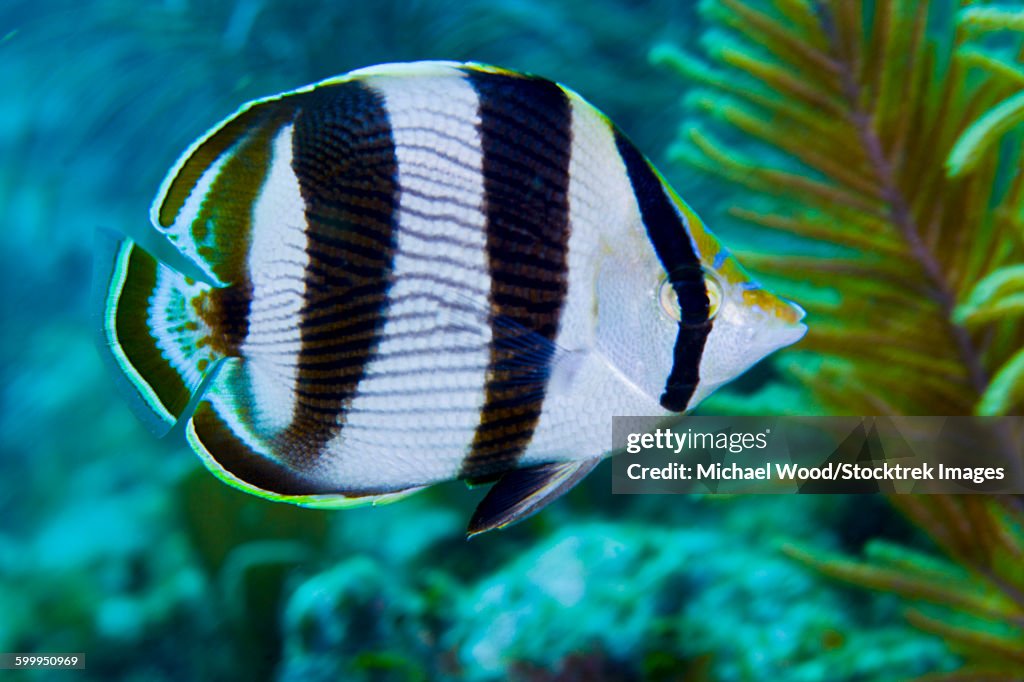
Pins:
x,y
206,202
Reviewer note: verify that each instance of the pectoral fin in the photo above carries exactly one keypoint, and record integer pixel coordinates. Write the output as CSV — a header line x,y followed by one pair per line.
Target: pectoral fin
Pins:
x,y
524,492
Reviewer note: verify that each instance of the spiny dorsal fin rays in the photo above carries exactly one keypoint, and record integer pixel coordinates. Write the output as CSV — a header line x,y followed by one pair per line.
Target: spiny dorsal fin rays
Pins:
x,y
187,172
205,205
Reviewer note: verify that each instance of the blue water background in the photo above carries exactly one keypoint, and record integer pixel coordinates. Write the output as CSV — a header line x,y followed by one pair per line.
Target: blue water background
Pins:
x,y
118,545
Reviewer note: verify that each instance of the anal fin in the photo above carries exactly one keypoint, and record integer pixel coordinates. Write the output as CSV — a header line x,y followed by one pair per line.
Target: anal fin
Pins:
x,y
237,457
524,492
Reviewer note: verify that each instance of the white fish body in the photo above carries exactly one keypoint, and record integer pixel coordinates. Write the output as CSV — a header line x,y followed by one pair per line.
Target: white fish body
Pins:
x,y
426,271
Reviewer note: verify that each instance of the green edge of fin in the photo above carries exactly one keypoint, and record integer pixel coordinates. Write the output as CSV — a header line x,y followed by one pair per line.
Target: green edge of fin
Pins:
x,y
154,412
330,501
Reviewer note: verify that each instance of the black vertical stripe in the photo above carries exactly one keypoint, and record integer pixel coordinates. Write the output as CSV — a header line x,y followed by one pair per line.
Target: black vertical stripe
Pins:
x,y
247,465
345,162
226,311
225,218
526,134
672,244
255,468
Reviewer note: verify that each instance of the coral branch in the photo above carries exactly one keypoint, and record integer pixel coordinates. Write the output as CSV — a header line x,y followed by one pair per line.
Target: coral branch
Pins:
x,y
902,218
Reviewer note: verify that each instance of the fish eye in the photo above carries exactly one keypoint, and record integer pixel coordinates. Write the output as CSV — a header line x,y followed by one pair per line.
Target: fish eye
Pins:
x,y
715,293
670,300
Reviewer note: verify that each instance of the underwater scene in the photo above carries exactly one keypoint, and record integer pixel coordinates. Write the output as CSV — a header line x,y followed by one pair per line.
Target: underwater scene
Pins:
x,y
232,449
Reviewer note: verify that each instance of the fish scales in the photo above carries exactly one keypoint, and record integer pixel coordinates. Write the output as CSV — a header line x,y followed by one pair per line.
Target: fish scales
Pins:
x,y
526,137
426,271
403,383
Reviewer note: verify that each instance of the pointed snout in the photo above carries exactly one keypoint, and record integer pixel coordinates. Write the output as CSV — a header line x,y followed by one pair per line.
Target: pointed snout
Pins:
x,y
791,314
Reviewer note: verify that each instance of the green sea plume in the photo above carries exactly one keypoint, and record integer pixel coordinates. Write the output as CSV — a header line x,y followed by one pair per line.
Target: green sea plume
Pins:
x,y
881,142
974,599
973,145
858,129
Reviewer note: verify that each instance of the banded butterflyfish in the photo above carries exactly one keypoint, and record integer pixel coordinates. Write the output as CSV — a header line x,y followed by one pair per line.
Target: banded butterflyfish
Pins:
x,y
418,272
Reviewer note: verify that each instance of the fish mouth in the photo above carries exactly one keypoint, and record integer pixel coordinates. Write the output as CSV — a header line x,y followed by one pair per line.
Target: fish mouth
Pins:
x,y
798,312
786,335
794,329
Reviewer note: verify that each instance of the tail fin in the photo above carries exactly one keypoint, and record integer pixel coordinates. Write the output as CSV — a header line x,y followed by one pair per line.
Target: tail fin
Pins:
x,y
155,335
